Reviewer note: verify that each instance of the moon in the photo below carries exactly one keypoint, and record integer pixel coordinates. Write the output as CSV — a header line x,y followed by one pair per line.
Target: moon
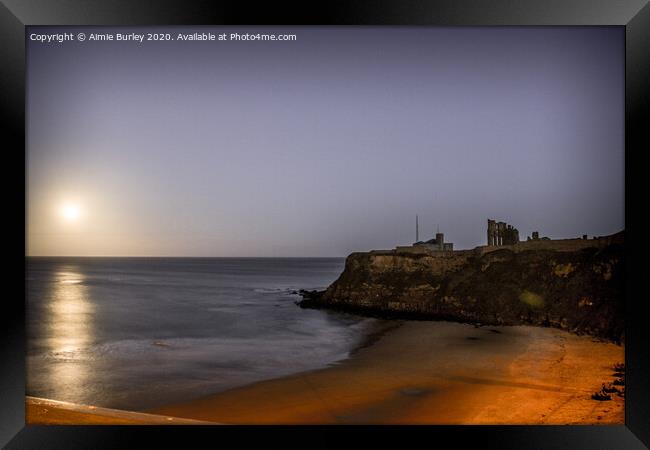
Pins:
x,y
70,212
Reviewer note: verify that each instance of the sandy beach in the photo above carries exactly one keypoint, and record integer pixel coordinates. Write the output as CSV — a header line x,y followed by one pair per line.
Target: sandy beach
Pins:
x,y
437,373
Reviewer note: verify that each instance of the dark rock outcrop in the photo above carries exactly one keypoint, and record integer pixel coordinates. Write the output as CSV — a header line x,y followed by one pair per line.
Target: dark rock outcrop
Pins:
x,y
575,285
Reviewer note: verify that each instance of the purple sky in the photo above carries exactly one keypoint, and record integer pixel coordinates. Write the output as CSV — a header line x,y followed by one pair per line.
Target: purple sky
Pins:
x,y
326,145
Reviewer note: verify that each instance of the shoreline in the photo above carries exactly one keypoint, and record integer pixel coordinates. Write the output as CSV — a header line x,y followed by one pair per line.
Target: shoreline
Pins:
x,y
436,373
380,329
48,411
413,372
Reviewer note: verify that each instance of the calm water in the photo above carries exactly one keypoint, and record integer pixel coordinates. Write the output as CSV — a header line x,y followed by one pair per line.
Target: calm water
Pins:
x,y
142,332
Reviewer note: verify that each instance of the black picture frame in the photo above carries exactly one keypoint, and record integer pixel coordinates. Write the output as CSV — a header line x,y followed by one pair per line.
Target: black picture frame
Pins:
x,y
634,15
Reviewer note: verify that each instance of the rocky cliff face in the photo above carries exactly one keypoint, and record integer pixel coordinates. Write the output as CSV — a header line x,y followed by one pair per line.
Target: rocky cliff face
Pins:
x,y
578,287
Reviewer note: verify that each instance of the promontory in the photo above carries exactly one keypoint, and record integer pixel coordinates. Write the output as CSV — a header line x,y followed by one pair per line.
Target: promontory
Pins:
x,y
573,284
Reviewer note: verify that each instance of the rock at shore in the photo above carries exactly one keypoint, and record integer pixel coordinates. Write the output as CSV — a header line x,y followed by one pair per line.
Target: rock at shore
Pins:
x,y
576,285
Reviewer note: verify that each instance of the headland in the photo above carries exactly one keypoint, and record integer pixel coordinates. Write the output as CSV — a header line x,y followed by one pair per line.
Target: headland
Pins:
x,y
573,284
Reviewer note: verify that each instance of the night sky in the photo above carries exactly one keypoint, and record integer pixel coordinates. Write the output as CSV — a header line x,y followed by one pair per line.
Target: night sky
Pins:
x,y
325,145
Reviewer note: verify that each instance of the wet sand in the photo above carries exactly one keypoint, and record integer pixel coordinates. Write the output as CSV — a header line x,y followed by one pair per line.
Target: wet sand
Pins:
x,y
436,373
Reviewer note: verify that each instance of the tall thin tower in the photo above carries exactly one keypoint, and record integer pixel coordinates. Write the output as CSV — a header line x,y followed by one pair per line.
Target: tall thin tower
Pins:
x,y
417,229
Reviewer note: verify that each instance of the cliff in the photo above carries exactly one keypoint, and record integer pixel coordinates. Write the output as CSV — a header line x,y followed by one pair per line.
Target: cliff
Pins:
x,y
576,285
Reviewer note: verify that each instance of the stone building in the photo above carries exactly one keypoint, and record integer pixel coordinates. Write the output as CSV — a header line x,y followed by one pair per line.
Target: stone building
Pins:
x,y
436,244
500,233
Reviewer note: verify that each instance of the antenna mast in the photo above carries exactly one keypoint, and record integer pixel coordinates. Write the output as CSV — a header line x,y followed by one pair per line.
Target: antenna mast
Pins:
x,y
417,229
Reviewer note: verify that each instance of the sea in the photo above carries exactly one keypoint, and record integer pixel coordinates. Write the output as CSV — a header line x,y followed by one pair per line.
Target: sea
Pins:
x,y
138,333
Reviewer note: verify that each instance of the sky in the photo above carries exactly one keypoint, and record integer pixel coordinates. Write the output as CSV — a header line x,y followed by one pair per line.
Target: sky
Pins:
x,y
321,146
